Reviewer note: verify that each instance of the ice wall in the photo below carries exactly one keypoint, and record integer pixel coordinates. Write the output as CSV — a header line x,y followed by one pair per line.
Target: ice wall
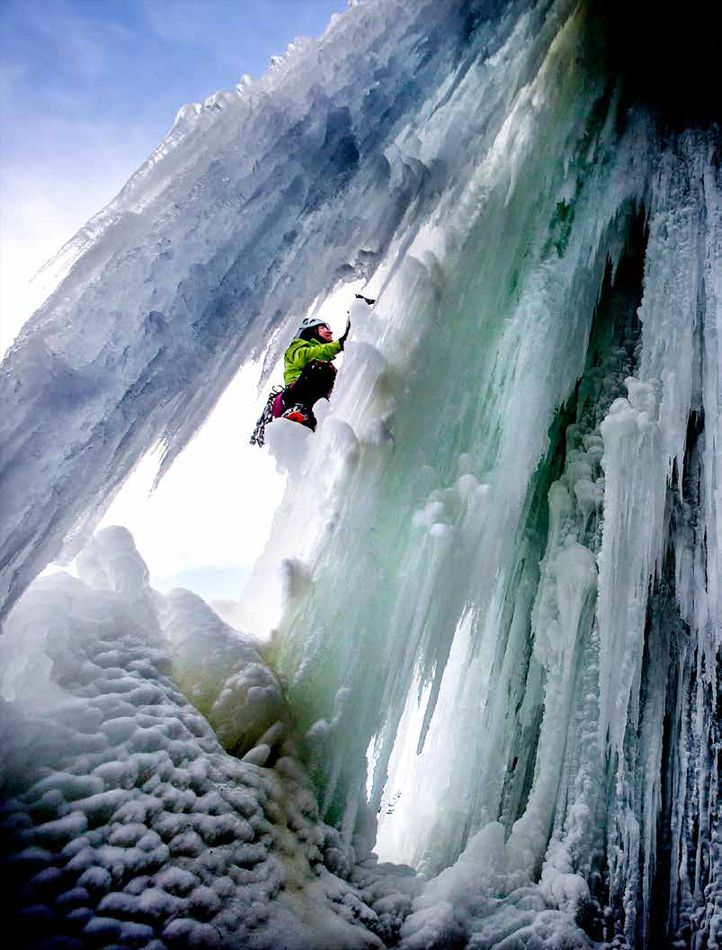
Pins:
x,y
508,635
492,591
254,205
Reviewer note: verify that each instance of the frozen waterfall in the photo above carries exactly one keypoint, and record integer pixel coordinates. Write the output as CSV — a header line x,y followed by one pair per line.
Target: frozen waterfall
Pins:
x,y
473,696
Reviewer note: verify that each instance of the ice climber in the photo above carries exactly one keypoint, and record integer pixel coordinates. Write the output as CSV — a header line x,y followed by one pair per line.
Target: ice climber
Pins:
x,y
308,370
308,373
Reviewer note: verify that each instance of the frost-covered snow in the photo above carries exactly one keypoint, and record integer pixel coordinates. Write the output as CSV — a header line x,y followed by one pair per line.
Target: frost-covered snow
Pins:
x,y
124,820
484,638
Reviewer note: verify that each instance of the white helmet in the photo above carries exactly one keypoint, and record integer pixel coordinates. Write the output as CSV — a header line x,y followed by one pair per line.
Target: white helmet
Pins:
x,y
311,322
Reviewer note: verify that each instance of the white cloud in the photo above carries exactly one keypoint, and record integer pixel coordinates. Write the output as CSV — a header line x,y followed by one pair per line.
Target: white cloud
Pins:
x,y
77,44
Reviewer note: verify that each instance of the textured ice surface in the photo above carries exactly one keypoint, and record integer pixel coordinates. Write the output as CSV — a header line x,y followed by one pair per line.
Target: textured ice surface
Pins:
x,y
254,205
490,603
124,821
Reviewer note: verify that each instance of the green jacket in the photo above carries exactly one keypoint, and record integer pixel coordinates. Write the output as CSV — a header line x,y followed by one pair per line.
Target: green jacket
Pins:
x,y
300,352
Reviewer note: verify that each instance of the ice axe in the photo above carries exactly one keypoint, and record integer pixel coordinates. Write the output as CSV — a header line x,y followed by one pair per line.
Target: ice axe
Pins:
x,y
369,301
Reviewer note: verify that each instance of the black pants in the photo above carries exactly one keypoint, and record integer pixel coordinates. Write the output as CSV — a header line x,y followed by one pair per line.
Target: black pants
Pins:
x,y
315,382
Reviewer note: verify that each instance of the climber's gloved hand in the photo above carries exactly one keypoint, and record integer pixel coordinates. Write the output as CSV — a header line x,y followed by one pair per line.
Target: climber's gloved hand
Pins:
x,y
344,335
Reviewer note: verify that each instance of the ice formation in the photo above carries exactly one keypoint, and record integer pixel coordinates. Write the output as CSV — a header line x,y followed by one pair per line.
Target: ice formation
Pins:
x,y
476,702
125,822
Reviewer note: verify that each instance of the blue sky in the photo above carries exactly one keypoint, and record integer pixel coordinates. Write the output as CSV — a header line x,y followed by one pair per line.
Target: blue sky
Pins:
x,y
89,87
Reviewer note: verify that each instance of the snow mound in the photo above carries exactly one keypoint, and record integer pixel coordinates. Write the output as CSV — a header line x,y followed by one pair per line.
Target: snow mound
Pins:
x,y
124,820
